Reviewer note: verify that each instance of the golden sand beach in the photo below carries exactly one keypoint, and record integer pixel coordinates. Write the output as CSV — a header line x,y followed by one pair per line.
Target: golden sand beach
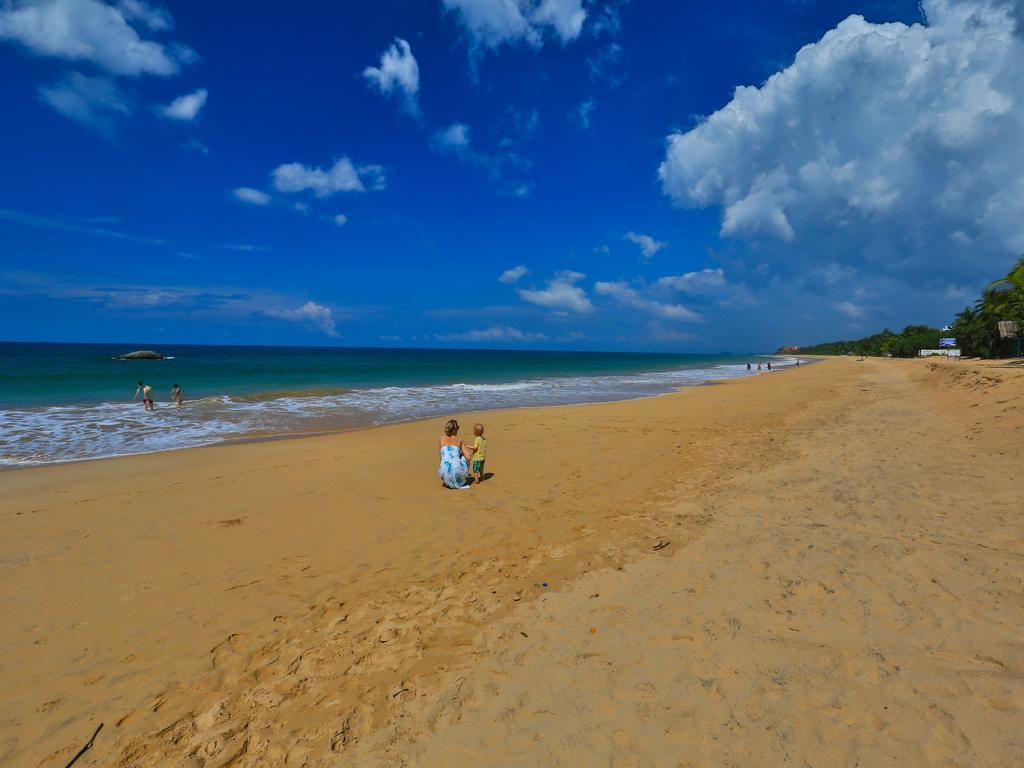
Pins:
x,y
817,567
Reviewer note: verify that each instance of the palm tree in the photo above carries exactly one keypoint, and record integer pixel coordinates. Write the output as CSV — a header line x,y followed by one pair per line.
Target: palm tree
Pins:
x,y
1004,298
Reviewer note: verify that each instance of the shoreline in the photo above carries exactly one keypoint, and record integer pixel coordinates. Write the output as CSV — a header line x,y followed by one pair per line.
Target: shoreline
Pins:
x,y
277,436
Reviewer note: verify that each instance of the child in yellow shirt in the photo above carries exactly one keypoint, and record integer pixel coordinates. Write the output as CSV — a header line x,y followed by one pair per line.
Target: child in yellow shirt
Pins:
x,y
479,449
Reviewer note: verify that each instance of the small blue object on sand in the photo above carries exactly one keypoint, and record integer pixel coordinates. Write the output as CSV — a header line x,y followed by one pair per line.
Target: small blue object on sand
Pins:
x,y
544,584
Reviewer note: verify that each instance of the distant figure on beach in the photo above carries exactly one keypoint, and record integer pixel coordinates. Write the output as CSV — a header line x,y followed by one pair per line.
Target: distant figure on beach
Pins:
x,y
759,366
478,452
769,365
798,363
177,395
147,395
453,470
748,366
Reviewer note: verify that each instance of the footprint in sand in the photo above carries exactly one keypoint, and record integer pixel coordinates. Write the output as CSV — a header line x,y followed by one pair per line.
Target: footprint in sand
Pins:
x,y
49,705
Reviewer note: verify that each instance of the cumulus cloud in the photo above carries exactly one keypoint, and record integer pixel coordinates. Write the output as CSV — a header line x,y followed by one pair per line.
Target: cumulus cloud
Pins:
x,y
496,333
885,146
314,315
340,219
343,176
491,23
513,275
92,101
398,73
94,32
157,19
648,245
626,296
704,281
185,107
561,293
250,195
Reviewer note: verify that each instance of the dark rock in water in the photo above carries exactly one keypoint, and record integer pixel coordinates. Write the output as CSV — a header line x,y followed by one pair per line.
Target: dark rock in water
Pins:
x,y
142,354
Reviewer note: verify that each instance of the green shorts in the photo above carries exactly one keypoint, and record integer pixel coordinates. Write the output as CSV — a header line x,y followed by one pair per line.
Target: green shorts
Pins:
x,y
478,467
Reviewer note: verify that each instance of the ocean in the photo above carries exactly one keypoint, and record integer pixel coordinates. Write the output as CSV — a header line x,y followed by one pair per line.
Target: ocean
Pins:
x,y
68,402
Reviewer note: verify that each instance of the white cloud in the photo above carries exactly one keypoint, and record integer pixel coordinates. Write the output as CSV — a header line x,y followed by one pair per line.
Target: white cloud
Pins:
x,y
373,177
250,195
93,101
884,146
565,17
157,19
626,296
343,176
69,224
491,23
316,316
197,146
704,281
659,332
185,107
513,275
398,71
581,114
244,247
454,138
340,219
92,31
561,293
850,309
499,166
496,333
648,245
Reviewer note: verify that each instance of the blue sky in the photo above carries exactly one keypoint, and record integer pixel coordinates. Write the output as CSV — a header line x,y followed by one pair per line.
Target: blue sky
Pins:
x,y
526,173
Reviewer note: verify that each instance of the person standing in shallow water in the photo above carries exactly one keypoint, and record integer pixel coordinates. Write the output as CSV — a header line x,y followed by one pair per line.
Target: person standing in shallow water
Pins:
x,y
453,470
177,395
147,396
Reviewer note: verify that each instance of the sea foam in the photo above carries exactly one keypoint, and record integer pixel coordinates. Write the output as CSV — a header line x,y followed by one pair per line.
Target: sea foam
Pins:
x,y
76,432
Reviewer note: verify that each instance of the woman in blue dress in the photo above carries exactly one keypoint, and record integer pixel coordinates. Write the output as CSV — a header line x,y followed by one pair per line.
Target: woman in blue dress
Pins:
x,y
453,471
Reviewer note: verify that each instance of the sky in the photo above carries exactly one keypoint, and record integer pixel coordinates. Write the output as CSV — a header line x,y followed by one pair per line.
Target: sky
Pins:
x,y
562,174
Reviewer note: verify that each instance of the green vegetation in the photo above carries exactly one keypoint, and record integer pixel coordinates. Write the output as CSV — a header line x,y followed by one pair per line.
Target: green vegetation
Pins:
x,y
975,329
906,343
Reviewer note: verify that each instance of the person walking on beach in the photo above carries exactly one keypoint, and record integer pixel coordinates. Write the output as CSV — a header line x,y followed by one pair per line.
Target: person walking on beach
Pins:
x,y
177,395
453,469
147,396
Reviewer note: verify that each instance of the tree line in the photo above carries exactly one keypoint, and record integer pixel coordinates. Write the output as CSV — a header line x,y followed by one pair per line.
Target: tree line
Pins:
x,y
975,329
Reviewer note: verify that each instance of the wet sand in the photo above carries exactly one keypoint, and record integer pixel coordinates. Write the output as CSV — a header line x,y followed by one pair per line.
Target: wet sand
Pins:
x,y
819,566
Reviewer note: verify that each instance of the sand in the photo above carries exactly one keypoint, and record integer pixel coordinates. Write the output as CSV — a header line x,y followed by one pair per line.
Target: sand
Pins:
x,y
816,567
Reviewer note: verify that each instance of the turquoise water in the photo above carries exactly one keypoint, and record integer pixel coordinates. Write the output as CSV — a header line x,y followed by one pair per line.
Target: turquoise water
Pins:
x,y
61,402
